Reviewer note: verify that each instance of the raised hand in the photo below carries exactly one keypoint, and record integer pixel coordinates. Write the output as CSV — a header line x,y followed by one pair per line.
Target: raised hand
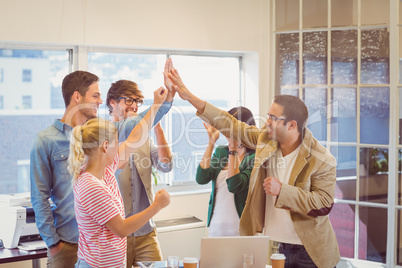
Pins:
x,y
213,133
179,86
160,95
168,82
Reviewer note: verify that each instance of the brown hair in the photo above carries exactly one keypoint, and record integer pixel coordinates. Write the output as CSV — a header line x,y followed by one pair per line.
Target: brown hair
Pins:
x,y
120,88
77,81
293,109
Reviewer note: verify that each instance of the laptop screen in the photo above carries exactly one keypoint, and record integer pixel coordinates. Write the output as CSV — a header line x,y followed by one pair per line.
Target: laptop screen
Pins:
x,y
227,251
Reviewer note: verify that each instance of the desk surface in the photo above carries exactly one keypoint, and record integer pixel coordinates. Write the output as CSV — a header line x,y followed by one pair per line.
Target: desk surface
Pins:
x,y
15,254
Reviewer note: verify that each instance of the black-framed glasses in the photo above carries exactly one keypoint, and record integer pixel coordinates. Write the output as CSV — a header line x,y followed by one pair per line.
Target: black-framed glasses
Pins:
x,y
274,118
129,101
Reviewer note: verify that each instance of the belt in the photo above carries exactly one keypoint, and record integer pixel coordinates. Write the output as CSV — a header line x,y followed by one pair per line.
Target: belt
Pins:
x,y
291,246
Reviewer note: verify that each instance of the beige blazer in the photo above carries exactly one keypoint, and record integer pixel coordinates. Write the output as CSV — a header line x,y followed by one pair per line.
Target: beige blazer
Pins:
x,y
309,195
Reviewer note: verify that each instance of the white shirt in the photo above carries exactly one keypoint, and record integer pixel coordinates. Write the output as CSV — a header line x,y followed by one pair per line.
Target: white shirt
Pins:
x,y
225,220
278,224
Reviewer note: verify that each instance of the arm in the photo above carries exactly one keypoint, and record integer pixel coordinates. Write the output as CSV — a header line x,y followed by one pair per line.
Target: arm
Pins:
x,y
213,135
140,132
125,127
227,125
217,162
41,185
314,194
123,227
164,153
240,181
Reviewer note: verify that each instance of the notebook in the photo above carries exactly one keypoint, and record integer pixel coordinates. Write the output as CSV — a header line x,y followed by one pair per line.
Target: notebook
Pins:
x,y
227,251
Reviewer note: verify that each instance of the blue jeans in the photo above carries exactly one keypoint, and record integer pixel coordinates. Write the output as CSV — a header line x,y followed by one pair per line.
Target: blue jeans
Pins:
x,y
81,264
296,256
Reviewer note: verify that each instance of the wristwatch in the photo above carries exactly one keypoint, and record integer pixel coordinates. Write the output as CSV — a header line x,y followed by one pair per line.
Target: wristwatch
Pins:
x,y
55,245
233,152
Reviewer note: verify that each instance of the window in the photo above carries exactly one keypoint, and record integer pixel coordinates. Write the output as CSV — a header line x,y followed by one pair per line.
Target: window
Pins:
x,y
49,66
341,67
26,75
26,102
1,75
184,130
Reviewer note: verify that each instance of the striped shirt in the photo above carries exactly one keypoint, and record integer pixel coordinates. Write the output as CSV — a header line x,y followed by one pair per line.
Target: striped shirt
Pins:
x,y
96,202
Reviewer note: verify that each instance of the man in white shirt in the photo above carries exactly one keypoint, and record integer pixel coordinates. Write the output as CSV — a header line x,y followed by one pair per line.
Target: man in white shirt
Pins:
x,y
292,184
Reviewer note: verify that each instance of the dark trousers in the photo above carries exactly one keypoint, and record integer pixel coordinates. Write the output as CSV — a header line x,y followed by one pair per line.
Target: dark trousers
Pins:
x,y
296,256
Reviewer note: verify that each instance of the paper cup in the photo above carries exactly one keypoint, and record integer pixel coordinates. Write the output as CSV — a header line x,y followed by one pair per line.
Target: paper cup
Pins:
x,y
190,262
278,260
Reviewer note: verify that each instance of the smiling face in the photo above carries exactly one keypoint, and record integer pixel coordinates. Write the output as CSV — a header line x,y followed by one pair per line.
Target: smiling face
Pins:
x,y
122,110
277,129
91,101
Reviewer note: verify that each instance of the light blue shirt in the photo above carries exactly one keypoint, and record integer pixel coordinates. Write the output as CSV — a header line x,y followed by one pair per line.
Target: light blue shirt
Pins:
x,y
50,178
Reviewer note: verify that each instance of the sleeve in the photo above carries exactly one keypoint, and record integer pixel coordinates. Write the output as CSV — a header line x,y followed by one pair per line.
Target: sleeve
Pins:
x,y
163,167
230,126
313,197
97,201
124,127
204,176
41,185
240,182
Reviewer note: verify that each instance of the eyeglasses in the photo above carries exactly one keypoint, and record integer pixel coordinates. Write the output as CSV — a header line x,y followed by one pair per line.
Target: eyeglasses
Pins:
x,y
129,101
273,118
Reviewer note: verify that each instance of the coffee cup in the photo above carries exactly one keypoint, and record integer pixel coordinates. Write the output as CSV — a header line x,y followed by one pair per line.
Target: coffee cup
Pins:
x,y
278,260
190,262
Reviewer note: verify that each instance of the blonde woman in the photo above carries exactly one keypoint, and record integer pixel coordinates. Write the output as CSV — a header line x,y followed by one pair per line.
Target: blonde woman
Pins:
x,y
95,155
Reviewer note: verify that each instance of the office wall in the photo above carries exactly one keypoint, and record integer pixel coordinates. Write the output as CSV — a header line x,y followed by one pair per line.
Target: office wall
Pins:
x,y
227,25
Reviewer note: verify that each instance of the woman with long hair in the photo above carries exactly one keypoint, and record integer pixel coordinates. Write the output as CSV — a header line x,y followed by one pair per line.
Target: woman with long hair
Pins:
x,y
95,155
229,169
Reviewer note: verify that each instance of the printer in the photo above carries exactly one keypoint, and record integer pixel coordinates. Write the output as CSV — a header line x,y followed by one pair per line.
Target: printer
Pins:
x,y
17,226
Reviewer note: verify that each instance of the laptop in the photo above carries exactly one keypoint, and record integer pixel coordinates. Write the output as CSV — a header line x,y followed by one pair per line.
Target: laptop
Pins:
x,y
227,251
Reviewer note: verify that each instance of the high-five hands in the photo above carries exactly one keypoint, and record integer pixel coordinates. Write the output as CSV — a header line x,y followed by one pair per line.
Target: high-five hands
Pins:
x,y
168,82
179,86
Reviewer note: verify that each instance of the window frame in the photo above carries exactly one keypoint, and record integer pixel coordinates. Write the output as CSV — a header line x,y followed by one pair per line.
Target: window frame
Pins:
x,y
394,84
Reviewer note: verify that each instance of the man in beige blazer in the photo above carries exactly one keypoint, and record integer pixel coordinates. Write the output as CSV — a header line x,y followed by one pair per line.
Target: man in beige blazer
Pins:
x,y
292,184
135,180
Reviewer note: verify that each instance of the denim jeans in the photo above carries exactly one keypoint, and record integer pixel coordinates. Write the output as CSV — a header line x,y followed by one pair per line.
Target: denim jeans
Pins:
x,y
296,256
81,264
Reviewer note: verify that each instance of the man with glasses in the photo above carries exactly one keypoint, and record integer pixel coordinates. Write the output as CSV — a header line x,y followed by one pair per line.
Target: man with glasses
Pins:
x,y
135,180
292,185
50,178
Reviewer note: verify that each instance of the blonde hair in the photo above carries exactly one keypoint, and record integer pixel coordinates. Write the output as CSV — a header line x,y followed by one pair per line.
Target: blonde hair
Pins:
x,y
85,140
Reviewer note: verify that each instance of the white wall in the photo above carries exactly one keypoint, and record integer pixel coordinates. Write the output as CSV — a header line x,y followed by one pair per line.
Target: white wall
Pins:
x,y
226,25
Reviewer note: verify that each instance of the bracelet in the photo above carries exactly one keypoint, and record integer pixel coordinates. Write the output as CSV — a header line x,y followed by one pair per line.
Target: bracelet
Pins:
x,y
233,152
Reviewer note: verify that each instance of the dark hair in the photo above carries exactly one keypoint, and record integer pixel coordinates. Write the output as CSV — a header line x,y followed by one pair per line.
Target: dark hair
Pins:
x,y
120,88
293,109
77,81
245,115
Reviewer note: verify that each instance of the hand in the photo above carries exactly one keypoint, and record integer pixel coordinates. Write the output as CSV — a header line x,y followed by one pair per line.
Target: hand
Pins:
x,y
272,186
179,86
162,198
53,251
213,133
168,82
160,95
